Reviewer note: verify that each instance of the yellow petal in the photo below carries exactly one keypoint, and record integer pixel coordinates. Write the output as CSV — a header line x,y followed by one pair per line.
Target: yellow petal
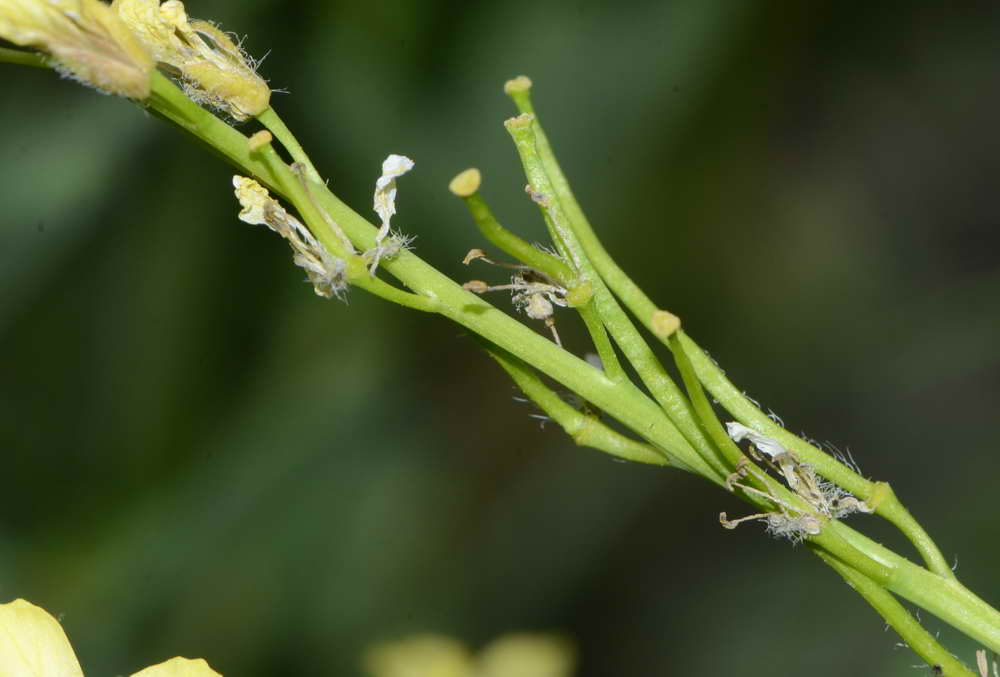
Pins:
x,y
525,655
419,656
88,40
179,667
33,644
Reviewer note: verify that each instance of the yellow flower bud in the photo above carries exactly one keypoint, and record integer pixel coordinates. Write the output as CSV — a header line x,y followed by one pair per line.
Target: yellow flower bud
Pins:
x,y
214,70
86,39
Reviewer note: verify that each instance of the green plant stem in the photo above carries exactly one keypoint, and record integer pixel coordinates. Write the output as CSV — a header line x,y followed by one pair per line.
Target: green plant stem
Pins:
x,y
23,57
552,266
942,596
332,238
602,342
514,245
938,592
624,402
636,350
896,615
728,454
879,495
584,429
274,124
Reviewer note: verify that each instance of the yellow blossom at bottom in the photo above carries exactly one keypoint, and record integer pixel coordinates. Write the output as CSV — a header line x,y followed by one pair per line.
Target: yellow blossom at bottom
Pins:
x,y
33,644
515,655
419,656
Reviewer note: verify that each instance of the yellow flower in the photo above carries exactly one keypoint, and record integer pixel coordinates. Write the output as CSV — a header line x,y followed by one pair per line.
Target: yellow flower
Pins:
x,y
516,655
524,655
86,39
214,70
419,656
33,644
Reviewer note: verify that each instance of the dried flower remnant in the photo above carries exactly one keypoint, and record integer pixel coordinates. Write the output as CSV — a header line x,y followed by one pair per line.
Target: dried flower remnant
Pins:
x,y
384,204
327,273
213,69
86,39
532,291
825,499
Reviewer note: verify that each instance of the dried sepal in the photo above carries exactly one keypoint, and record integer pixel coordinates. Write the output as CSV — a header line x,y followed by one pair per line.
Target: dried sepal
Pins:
x,y
984,666
473,255
213,68
327,273
87,42
476,286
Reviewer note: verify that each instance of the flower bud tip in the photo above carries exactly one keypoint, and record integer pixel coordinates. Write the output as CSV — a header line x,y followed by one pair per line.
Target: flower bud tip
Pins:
x,y
521,83
519,121
259,140
664,323
466,183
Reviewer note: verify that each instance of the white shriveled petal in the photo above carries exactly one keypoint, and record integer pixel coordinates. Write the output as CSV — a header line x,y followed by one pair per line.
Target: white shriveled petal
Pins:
x,y
393,167
739,432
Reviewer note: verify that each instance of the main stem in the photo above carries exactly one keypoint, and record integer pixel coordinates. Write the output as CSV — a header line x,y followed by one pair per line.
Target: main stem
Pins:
x,y
946,598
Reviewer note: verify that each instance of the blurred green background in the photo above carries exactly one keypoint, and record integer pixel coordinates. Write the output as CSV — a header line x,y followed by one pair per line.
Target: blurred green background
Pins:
x,y
203,458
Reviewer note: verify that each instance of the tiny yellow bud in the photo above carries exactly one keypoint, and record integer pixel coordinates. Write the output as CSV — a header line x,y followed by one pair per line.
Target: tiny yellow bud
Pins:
x,y
664,323
86,39
466,183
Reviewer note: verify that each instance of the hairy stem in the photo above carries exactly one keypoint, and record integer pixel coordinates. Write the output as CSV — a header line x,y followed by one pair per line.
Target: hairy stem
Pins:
x,y
902,621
